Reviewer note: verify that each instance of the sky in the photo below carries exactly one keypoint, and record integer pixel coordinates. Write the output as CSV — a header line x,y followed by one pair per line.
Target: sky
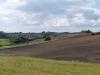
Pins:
x,y
49,15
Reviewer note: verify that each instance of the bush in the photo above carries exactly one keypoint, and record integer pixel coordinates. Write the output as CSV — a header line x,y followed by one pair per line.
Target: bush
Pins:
x,y
86,31
47,38
96,33
93,33
20,40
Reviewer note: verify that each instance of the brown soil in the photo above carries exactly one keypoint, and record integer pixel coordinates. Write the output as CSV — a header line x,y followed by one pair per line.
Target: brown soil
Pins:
x,y
85,48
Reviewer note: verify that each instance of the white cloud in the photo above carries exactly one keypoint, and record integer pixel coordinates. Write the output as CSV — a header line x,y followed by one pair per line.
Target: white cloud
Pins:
x,y
11,4
78,19
35,15
56,22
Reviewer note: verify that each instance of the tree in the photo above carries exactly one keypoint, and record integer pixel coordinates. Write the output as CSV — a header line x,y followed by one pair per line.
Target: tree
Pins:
x,y
46,36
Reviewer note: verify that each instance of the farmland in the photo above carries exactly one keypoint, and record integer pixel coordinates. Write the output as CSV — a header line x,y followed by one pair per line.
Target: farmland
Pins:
x,y
83,47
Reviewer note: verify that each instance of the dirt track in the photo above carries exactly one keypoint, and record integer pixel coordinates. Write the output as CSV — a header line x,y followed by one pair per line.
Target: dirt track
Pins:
x,y
78,48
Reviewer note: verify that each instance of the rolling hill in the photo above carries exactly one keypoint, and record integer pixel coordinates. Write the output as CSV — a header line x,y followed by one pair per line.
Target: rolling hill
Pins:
x,y
80,47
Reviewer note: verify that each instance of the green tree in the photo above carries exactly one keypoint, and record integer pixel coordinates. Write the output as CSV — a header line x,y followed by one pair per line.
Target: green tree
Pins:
x,y
46,36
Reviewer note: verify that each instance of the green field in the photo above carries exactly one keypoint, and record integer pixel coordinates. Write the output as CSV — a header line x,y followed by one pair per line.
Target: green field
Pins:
x,y
18,65
4,42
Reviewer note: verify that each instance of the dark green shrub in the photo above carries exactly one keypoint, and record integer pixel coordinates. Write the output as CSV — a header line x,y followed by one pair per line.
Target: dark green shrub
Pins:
x,y
20,40
86,31
47,38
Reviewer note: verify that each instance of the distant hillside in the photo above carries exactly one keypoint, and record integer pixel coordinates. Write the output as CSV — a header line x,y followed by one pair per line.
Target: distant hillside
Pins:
x,y
36,35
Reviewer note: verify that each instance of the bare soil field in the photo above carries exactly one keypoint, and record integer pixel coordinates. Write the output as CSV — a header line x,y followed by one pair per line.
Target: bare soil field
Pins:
x,y
82,47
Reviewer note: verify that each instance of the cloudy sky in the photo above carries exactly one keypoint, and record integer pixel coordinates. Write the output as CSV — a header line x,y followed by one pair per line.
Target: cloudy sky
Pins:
x,y
49,15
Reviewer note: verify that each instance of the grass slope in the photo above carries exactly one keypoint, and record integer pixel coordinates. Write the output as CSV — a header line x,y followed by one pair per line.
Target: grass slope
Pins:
x,y
18,65
4,42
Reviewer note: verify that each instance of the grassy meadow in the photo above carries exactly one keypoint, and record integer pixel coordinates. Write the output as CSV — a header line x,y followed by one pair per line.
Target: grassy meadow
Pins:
x,y
19,65
4,42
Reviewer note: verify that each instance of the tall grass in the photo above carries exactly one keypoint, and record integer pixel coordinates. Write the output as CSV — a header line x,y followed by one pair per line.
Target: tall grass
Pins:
x,y
18,65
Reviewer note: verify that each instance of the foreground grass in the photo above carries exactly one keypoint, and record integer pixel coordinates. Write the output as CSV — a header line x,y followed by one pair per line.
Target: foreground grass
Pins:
x,y
18,65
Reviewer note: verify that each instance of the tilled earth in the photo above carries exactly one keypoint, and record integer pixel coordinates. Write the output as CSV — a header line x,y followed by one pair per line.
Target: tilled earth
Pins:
x,y
85,48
